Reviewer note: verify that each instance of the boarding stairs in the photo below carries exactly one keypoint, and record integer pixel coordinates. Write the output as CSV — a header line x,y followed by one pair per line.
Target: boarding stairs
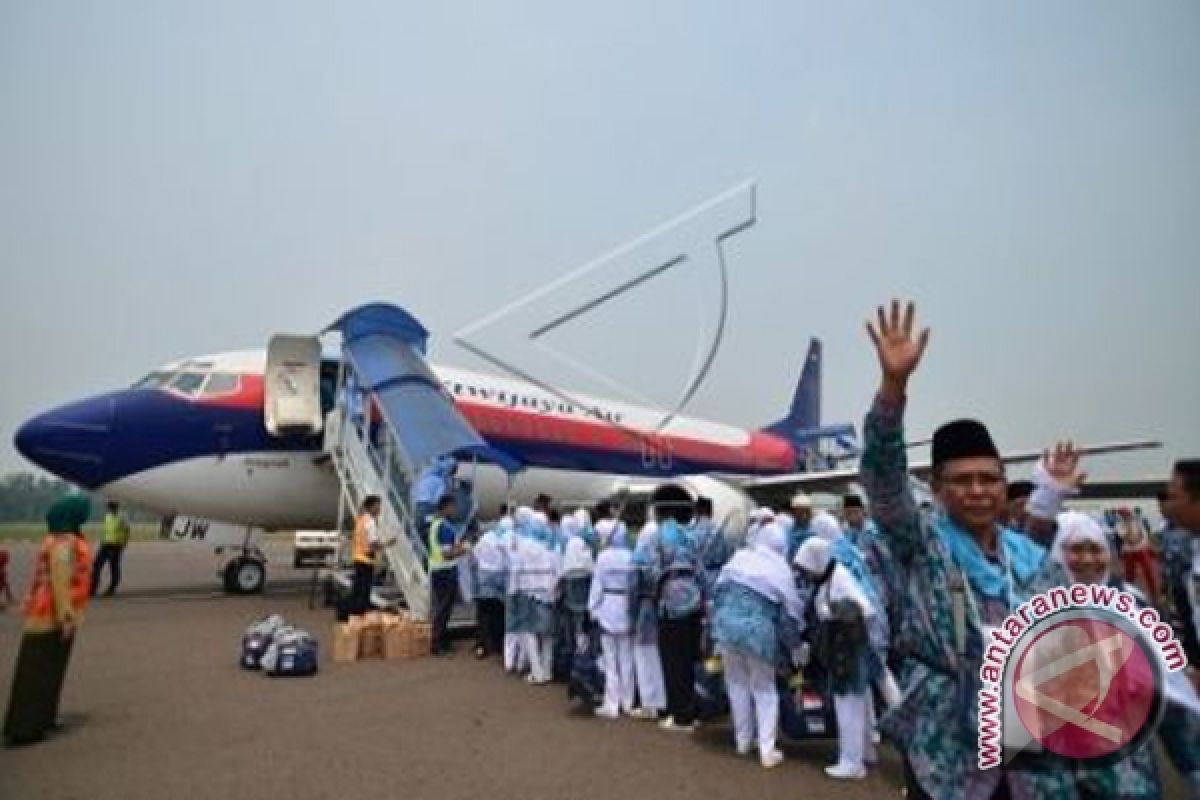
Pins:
x,y
364,468
392,418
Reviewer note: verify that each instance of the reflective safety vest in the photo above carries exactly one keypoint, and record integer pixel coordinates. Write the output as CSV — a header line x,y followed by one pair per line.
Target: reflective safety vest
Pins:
x,y
116,530
362,548
39,603
436,559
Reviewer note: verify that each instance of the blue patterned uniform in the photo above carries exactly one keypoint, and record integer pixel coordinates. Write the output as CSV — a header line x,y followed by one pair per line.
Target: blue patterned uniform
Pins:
x,y
935,724
745,620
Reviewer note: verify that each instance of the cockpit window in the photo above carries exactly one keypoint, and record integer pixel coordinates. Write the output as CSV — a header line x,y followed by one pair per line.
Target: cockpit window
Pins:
x,y
187,382
221,383
154,380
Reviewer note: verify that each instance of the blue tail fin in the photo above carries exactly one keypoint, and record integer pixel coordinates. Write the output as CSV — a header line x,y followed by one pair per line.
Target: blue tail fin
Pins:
x,y
802,425
805,413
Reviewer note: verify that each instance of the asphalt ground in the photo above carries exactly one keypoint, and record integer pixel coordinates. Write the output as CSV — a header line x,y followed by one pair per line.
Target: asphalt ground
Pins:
x,y
155,706
169,567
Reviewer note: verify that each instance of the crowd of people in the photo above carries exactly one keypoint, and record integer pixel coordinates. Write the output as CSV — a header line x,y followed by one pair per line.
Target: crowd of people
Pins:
x,y
891,601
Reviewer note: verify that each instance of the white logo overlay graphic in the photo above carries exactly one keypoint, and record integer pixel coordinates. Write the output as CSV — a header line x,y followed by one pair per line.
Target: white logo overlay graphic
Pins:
x,y
1079,672
517,338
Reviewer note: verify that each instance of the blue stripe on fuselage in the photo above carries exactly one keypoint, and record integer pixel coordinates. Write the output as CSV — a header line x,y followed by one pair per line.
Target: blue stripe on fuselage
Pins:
x,y
156,428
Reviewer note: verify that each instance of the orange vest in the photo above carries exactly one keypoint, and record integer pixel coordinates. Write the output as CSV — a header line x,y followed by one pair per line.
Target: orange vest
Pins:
x,y
362,551
39,603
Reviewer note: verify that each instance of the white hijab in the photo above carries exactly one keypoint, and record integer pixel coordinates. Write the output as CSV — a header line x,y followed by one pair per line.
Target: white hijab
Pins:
x,y
826,526
1075,527
815,556
606,529
759,517
764,569
577,556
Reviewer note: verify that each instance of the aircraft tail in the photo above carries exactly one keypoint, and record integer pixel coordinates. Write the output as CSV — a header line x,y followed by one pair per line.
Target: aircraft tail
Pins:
x,y
802,425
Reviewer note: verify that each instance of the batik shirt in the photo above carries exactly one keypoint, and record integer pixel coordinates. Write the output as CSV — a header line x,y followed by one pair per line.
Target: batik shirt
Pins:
x,y
936,723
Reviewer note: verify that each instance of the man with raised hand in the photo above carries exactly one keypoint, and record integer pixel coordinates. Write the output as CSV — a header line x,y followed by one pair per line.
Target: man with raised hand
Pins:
x,y
961,573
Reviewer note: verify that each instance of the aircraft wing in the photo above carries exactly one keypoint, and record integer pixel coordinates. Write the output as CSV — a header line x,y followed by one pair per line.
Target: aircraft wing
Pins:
x,y
1121,490
777,489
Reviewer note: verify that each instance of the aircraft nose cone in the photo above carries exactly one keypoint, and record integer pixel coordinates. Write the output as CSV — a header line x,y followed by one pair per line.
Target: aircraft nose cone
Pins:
x,y
71,441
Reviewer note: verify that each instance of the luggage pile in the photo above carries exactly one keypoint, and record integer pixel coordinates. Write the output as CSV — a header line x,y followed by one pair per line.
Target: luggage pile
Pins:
x,y
381,635
278,649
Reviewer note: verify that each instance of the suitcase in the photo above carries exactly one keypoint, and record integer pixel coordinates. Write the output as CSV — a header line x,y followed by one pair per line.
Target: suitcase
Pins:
x,y
291,656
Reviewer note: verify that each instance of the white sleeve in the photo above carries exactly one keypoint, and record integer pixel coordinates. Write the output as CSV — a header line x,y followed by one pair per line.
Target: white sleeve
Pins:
x,y
596,591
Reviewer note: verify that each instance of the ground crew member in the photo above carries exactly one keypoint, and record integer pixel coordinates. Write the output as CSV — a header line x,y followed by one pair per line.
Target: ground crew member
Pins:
x,y
112,547
366,545
53,611
444,548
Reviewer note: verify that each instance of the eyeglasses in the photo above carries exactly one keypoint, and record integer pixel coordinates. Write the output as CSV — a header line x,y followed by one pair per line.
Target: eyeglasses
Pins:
x,y
964,481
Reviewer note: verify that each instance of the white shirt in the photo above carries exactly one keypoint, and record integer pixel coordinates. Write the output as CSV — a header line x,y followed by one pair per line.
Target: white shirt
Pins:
x,y
372,530
609,601
577,556
490,553
533,569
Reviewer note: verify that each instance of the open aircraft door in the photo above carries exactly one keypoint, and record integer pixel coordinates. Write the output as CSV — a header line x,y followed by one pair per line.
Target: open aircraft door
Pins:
x,y
292,386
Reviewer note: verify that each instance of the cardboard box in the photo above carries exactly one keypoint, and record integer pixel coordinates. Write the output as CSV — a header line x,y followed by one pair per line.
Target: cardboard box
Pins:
x,y
370,641
407,638
420,639
345,642
395,642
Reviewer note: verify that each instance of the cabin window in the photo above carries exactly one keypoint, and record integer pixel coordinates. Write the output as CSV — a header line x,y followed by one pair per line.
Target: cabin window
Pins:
x,y
221,383
187,382
154,380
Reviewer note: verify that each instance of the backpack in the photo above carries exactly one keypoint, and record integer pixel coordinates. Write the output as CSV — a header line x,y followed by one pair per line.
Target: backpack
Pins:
x,y
257,639
680,591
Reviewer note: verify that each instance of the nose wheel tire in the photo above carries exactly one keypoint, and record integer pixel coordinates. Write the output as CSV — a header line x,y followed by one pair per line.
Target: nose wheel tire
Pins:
x,y
245,576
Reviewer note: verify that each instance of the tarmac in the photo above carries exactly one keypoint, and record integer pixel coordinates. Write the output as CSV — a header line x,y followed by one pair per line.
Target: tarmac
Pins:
x,y
156,706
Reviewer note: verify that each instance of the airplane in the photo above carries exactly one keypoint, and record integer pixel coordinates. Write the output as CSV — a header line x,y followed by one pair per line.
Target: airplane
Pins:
x,y
190,439
194,439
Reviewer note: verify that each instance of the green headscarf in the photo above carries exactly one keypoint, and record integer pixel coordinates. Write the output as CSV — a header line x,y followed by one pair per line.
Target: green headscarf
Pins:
x,y
68,513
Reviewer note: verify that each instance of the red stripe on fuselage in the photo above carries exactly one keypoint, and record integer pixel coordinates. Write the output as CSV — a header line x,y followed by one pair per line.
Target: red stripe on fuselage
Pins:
x,y
249,395
762,453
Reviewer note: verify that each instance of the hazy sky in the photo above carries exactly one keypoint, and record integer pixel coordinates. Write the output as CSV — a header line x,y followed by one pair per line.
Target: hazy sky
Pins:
x,y
178,178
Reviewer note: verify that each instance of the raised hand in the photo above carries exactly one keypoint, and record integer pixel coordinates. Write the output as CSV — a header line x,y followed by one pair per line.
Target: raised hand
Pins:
x,y
1062,464
898,350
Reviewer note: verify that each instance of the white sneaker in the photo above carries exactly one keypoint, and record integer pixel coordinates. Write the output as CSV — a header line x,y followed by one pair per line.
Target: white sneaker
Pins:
x,y
607,713
644,713
771,759
845,772
745,749
532,680
876,738
670,725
